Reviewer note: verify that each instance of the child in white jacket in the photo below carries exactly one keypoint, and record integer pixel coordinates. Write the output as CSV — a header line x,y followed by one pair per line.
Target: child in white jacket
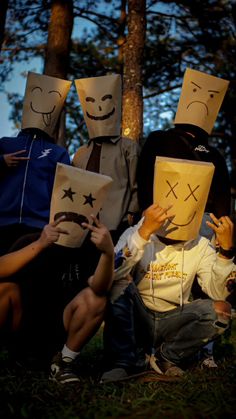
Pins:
x,y
154,312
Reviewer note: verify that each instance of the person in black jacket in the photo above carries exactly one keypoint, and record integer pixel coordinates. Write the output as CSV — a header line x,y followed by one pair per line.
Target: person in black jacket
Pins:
x,y
28,161
199,103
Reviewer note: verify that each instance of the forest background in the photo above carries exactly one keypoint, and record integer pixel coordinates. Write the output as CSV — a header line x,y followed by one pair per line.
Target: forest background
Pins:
x,y
150,43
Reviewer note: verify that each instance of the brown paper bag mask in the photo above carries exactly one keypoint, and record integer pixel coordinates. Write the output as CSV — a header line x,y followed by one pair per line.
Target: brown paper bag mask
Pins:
x,y
200,100
100,98
43,102
76,194
185,184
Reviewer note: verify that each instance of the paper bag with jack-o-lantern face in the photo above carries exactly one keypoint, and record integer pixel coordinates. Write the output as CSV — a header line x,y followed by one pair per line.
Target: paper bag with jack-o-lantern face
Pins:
x,y
76,195
185,184
200,100
100,98
43,102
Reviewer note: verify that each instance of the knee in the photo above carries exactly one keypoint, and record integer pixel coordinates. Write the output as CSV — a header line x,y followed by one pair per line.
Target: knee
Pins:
x,y
93,303
96,302
9,290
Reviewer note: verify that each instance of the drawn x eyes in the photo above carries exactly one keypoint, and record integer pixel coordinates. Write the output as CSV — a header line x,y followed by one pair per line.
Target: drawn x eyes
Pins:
x,y
187,197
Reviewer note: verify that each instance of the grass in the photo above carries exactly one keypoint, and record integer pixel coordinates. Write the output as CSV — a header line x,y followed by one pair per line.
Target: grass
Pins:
x,y
26,393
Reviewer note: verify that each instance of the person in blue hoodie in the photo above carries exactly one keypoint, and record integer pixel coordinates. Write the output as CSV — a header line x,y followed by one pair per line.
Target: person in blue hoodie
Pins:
x,y
28,161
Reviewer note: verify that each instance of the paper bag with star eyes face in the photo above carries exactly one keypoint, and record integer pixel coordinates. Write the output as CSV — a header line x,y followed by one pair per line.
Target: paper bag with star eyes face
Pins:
x,y
200,100
185,184
100,98
43,102
76,194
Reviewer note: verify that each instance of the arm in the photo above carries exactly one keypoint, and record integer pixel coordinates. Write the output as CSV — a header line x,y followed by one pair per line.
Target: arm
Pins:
x,y
132,162
14,261
130,247
217,269
102,279
145,170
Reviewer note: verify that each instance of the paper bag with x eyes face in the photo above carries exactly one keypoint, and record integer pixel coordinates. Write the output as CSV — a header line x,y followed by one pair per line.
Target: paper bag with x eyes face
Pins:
x,y
100,98
76,194
200,100
185,184
43,102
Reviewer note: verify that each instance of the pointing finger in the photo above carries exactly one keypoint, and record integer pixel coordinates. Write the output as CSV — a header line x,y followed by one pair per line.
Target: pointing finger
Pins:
x,y
18,152
58,221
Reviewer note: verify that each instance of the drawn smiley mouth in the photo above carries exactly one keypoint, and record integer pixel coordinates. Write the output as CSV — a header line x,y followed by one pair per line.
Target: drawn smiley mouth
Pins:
x,y
198,101
102,117
72,217
47,116
183,225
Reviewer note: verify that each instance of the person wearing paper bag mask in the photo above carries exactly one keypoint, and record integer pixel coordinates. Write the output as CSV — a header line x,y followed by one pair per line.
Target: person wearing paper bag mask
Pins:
x,y
201,97
107,152
64,295
28,161
165,252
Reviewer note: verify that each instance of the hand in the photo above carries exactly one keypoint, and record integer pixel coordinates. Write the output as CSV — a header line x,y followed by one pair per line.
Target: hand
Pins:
x,y
154,217
100,236
224,230
12,161
51,233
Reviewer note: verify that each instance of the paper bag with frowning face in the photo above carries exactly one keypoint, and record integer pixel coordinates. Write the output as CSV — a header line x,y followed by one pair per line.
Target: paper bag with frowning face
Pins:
x,y
76,194
43,102
185,184
200,100
100,98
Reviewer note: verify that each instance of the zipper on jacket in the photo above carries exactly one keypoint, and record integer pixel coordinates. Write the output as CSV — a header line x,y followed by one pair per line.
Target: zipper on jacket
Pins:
x,y
25,177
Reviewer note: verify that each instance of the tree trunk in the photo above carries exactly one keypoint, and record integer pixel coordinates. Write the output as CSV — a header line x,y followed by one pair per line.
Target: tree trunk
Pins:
x,y
121,35
58,50
132,116
3,13
59,39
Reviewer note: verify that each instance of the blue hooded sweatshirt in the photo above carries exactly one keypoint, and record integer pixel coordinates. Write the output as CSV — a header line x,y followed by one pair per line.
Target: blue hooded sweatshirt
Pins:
x,y
25,190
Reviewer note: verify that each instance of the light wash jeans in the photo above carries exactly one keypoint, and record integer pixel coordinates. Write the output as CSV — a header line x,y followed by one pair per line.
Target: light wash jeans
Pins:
x,y
178,333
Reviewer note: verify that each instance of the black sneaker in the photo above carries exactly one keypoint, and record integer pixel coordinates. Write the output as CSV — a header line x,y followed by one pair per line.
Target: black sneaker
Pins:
x,y
62,372
115,374
119,373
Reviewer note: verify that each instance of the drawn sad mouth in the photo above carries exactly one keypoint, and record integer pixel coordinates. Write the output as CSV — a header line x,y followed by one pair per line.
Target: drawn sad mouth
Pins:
x,y
73,217
47,116
183,225
198,101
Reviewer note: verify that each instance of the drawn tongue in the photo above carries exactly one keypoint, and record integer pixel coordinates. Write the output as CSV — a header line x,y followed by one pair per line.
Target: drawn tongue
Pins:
x,y
47,118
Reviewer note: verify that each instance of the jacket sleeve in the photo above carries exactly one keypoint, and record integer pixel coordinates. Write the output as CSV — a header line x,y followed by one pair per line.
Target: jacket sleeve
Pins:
x,y
3,165
128,252
145,169
132,155
219,200
213,274
65,158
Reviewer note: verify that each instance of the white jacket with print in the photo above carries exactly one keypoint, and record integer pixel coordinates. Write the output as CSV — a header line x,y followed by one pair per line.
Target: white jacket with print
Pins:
x,y
165,274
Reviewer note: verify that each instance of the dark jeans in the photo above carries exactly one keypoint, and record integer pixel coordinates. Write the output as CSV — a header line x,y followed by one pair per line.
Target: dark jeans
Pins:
x,y
131,329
